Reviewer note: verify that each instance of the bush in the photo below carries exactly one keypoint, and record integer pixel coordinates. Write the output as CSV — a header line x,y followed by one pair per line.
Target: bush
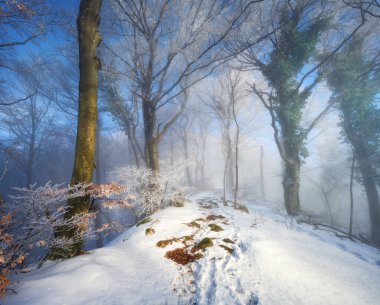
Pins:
x,y
36,214
149,190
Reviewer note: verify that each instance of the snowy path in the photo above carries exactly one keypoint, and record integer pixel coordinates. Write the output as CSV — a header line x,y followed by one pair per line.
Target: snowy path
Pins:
x,y
271,264
219,277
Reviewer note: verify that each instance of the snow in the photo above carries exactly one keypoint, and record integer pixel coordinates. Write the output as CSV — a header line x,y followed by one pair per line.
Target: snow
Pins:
x,y
275,261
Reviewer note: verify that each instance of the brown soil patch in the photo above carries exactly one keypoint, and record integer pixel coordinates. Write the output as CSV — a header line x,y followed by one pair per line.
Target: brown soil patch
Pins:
x,y
182,256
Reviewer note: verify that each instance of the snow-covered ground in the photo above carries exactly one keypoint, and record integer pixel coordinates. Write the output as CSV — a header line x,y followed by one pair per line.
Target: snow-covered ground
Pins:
x,y
274,262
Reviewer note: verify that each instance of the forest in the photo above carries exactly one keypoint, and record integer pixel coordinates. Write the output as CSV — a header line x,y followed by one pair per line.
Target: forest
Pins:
x,y
213,152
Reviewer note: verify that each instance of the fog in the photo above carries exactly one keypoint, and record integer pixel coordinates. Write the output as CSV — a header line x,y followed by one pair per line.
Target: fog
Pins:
x,y
202,111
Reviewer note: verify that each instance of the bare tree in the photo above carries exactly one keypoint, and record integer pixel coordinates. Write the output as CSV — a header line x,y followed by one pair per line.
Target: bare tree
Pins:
x,y
22,22
202,125
169,44
29,127
125,113
182,130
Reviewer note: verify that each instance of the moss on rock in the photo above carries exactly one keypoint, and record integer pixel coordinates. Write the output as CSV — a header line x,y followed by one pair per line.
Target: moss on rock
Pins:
x,y
214,227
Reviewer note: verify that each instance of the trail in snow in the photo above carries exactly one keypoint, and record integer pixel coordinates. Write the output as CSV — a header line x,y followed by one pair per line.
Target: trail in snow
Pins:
x,y
217,277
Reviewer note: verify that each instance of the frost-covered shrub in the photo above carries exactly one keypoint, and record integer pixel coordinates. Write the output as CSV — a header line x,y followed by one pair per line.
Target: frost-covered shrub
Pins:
x,y
40,212
148,190
34,217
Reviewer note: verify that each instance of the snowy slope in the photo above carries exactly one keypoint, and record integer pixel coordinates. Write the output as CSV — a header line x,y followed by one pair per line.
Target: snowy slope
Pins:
x,y
272,264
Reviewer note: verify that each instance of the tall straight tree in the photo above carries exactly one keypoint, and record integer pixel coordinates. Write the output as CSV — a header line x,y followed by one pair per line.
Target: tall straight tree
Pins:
x,y
355,87
89,64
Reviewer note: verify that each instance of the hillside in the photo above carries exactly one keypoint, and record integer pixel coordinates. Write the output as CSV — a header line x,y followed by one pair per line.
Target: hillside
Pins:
x,y
273,261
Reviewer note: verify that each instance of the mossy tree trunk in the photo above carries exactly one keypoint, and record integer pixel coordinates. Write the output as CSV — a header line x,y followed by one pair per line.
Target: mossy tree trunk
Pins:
x,y
291,184
368,175
84,163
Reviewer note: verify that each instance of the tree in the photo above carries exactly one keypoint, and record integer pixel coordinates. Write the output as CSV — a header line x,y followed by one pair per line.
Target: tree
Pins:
x,y
84,162
225,101
221,106
355,95
235,94
293,49
29,126
126,114
182,130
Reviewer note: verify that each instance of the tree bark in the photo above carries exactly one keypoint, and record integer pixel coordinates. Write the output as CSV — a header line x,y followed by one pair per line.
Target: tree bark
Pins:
x,y
291,183
351,192
372,193
151,142
99,180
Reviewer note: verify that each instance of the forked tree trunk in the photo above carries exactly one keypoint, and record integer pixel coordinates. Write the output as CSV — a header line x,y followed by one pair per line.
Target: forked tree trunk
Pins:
x,y
84,162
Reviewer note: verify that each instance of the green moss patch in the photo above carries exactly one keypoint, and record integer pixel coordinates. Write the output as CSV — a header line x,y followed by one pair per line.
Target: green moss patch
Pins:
x,y
204,243
228,241
183,239
194,224
144,221
166,242
149,231
214,227
213,217
229,250
187,237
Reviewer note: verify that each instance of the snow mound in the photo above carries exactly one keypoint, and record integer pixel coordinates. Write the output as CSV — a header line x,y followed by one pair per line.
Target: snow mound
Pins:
x,y
255,258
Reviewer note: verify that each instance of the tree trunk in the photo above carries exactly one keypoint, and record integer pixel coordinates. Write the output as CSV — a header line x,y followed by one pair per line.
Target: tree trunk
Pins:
x,y
225,178
236,154
186,150
351,193
32,146
99,180
153,155
372,193
262,181
291,183
151,142
203,160
84,162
